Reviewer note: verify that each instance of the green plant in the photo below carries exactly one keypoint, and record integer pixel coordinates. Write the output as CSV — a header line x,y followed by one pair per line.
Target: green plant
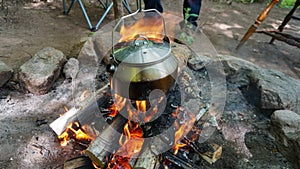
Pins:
x,y
186,35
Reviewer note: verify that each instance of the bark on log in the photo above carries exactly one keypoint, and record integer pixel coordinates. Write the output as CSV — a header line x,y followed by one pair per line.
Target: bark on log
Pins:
x,y
106,142
88,106
78,162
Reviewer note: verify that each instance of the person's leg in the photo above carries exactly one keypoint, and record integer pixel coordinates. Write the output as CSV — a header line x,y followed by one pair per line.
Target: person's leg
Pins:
x,y
153,4
195,6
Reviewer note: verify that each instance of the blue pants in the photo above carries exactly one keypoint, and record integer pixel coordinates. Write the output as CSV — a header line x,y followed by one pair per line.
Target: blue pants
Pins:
x,y
194,5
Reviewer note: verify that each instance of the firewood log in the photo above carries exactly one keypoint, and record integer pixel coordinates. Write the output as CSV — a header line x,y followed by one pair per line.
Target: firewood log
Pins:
x,y
214,155
147,159
106,142
87,107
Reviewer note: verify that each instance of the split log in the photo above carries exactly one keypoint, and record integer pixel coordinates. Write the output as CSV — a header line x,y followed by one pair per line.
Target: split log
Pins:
x,y
78,162
163,142
214,155
147,159
106,142
88,106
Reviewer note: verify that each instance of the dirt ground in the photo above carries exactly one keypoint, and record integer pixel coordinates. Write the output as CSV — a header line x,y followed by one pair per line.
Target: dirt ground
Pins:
x,y
29,28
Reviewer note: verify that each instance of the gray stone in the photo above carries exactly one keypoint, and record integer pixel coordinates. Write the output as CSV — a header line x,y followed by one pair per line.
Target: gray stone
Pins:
x,y
102,44
71,68
5,73
198,62
40,72
182,53
285,126
237,70
276,90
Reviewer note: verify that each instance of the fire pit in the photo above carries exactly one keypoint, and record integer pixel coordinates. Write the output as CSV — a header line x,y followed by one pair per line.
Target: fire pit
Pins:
x,y
142,122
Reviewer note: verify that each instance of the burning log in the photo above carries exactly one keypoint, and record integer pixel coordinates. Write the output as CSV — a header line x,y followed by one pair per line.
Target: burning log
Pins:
x,y
88,106
78,162
106,142
60,124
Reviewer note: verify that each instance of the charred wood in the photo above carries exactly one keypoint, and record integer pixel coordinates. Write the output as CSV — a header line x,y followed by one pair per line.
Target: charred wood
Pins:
x,y
179,161
210,152
78,162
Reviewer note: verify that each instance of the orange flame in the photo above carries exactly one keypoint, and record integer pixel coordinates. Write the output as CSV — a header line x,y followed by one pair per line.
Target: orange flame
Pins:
x,y
74,130
151,27
141,105
131,145
184,123
117,106
133,141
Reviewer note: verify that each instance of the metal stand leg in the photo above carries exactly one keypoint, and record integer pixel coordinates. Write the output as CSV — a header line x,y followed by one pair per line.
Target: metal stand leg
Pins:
x,y
64,6
126,5
85,15
103,16
105,5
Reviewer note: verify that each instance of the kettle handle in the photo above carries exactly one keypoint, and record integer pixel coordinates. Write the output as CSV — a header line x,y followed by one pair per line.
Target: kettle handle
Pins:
x,y
146,42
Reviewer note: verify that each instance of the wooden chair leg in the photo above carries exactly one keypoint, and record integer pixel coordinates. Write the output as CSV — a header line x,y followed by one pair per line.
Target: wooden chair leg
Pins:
x,y
258,21
287,18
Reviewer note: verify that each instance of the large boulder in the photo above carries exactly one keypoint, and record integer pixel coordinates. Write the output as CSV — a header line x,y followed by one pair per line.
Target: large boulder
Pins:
x,y
278,91
5,73
285,126
40,72
272,89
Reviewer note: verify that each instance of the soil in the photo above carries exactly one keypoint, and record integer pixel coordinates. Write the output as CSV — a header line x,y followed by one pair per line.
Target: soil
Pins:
x,y
30,27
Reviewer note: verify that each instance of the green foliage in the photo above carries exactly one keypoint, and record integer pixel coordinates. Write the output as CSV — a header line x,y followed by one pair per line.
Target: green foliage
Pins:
x,y
186,35
287,3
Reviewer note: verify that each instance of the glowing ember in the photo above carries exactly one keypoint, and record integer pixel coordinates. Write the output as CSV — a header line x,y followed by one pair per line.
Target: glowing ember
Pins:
x,y
183,124
74,131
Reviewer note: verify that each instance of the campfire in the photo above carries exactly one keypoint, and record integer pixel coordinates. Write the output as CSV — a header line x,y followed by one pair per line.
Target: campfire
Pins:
x,y
146,125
